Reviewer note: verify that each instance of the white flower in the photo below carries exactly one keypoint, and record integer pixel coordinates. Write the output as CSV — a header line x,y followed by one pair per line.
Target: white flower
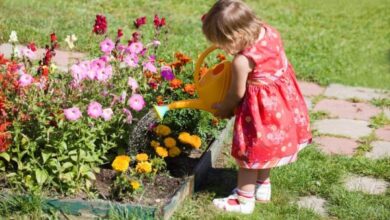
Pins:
x,y
16,52
13,37
70,39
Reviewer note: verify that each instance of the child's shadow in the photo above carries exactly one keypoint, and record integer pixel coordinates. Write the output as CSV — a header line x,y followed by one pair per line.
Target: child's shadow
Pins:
x,y
220,181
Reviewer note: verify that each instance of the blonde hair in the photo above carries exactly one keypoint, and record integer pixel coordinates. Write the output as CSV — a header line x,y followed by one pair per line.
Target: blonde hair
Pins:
x,y
231,25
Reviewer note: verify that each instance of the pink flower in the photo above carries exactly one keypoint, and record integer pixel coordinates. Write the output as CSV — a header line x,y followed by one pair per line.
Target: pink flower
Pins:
x,y
149,66
135,48
25,80
107,45
129,116
107,114
131,60
95,110
137,102
156,43
78,72
122,98
132,83
72,114
27,52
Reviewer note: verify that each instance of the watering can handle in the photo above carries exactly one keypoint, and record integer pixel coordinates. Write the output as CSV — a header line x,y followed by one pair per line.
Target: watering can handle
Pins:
x,y
200,62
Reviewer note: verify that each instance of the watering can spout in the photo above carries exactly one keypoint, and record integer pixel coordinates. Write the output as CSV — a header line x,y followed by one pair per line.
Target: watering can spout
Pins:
x,y
189,103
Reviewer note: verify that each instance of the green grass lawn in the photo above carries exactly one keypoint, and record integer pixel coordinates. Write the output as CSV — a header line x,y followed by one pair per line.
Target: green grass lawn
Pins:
x,y
334,41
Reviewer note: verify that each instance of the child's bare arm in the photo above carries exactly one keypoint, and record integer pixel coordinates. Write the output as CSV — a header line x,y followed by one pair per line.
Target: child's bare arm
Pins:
x,y
241,67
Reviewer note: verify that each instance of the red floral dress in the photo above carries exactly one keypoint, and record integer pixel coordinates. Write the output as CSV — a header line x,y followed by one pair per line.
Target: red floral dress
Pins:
x,y
272,122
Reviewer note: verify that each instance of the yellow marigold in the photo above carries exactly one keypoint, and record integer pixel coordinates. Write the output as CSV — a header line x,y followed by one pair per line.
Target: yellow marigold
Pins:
x,y
141,157
169,142
184,137
162,130
174,152
135,184
121,163
196,142
154,144
162,152
144,167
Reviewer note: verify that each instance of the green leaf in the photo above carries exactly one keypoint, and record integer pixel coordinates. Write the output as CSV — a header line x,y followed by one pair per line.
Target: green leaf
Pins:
x,y
5,156
41,176
66,165
45,156
90,175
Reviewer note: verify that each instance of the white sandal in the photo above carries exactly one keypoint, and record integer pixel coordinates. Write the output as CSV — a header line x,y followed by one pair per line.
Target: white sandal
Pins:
x,y
235,203
263,192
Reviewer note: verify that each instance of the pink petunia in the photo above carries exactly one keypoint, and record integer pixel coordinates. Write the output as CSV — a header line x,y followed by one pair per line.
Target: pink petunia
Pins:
x,y
27,52
137,102
132,83
122,97
107,114
135,48
149,66
72,114
129,116
131,60
95,110
25,80
107,45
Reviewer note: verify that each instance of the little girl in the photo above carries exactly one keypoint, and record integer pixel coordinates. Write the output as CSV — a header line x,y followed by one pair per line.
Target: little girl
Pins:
x,y
271,118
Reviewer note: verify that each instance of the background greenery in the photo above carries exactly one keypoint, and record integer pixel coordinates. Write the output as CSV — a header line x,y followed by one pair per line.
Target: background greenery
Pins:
x,y
343,41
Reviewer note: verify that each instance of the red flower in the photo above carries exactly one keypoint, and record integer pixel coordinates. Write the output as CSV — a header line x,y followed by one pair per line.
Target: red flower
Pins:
x,y
100,26
53,37
139,22
48,56
2,59
32,46
119,34
158,23
5,137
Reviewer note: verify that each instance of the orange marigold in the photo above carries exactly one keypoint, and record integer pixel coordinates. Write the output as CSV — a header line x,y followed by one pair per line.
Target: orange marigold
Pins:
x,y
174,152
169,142
162,152
144,167
182,58
141,157
221,57
154,144
202,71
189,88
162,130
121,163
175,83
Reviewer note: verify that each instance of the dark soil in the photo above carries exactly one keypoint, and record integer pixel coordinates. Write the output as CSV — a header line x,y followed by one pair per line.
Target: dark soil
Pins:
x,y
158,190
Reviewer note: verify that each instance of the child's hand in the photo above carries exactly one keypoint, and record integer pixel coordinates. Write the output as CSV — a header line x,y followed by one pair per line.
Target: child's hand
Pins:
x,y
223,110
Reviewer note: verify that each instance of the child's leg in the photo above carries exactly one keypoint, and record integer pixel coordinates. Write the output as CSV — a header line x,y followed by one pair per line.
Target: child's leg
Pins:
x,y
263,186
242,200
263,175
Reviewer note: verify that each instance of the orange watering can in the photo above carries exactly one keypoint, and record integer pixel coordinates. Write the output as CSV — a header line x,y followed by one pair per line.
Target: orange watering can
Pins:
x,y
211,88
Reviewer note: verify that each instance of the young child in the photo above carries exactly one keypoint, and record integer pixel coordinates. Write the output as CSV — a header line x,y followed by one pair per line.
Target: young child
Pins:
x,y
271,118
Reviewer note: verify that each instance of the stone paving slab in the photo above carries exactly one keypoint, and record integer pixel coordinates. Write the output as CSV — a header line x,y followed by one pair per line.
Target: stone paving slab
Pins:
x,y
365,184
63,59
380,149
383,133
347,92
315,203
309,103
336,145
345,109
310,89
343,127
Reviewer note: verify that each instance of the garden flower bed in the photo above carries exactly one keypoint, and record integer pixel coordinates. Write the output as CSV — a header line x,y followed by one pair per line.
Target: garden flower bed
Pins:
x,y
66,135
